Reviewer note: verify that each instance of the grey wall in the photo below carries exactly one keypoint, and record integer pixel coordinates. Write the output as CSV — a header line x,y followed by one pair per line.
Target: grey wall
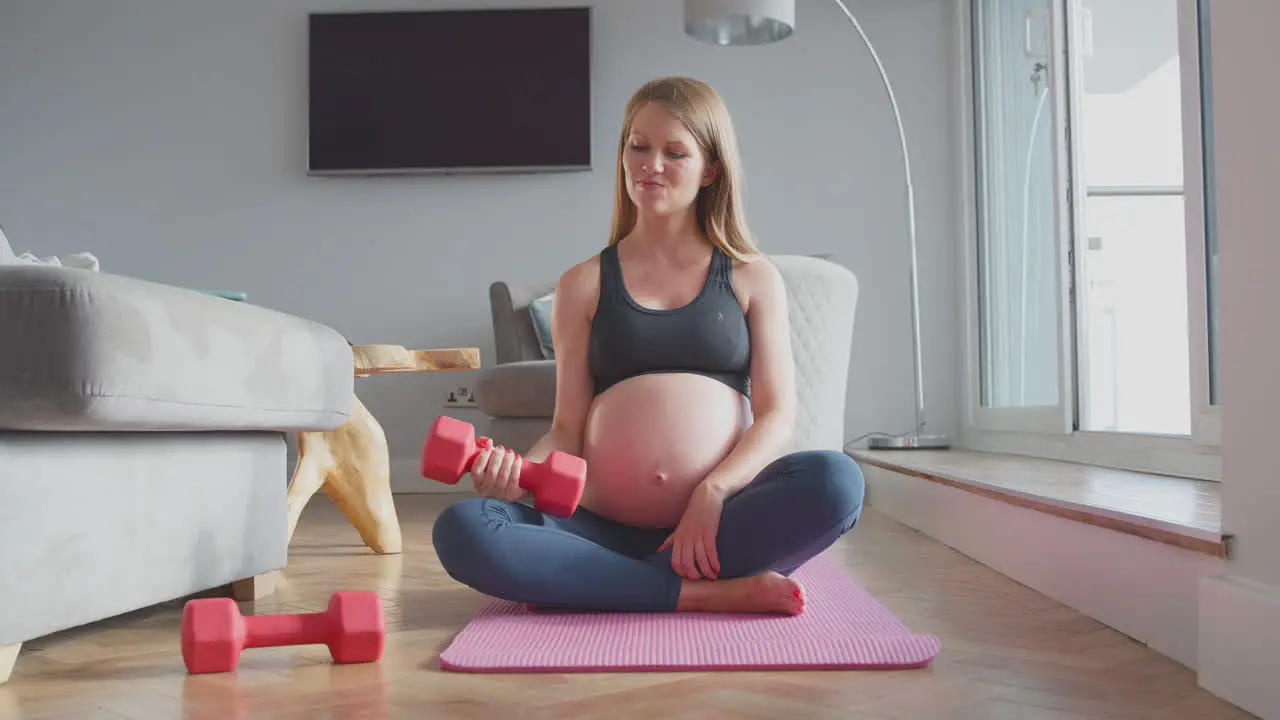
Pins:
x,y
166,137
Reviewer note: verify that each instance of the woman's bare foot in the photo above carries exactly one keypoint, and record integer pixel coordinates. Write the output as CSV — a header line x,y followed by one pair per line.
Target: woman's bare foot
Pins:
x,y
768,592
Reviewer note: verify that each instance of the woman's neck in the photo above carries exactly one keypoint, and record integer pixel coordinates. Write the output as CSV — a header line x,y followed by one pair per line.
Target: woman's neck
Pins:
x,y
666,233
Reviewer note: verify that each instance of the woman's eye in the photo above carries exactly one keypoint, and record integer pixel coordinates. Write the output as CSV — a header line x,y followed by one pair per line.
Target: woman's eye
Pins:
x,y
672,154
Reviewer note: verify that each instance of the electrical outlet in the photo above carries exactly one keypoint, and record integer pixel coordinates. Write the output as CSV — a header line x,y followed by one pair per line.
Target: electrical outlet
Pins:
x,y
460,397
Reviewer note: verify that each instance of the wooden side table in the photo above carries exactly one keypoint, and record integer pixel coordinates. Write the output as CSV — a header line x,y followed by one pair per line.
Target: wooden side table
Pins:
x,y
351,464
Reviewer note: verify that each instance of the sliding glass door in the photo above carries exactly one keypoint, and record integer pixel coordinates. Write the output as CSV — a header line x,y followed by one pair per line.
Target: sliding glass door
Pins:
x,y
1094,254
1131,245
1020,171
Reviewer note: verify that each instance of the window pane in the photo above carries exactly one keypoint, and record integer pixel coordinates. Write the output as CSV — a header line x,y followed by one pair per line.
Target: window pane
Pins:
x,y
1134,370
1018,296
1134,356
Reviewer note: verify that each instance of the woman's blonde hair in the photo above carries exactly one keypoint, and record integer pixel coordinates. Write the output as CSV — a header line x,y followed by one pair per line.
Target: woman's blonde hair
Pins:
x,y
719,205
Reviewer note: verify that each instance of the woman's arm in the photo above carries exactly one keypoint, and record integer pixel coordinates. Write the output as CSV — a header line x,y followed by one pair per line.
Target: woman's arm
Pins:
x,y
773,380
575,298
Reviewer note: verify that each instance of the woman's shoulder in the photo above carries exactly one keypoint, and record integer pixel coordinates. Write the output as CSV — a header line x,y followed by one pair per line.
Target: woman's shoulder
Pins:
x,y
584,271
757,275
758,283
581,281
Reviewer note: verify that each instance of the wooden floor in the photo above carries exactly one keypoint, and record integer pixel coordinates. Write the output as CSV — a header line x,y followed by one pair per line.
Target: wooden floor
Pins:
x,y
1007,653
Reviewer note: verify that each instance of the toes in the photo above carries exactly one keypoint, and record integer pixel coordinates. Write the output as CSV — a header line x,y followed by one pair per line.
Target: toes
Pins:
x,y
798,599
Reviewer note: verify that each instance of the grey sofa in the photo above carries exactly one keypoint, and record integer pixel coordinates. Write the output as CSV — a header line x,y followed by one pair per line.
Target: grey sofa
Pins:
x,y
518,391
142,443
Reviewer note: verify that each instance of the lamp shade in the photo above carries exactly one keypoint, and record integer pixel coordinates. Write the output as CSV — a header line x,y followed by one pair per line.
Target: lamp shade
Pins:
x,y
739,22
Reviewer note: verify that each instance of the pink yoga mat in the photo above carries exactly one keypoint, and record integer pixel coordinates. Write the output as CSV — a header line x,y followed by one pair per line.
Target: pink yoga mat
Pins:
x,y
842,627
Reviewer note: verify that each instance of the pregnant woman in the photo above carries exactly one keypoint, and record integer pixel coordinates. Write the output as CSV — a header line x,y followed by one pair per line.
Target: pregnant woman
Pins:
x,y
675,382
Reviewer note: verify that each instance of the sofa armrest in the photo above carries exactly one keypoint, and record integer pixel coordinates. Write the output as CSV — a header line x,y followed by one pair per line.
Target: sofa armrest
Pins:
x,y
518,390
514,338
89,351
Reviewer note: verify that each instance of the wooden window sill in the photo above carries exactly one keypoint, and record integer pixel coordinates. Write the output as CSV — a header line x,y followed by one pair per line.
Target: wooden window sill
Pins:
x,y
1177,511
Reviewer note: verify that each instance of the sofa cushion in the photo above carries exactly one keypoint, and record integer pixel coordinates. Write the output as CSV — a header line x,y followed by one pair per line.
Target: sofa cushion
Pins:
x,y
540,311
88,351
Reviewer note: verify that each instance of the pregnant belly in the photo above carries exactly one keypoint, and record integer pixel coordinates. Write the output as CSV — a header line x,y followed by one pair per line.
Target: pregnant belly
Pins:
x,y
651,439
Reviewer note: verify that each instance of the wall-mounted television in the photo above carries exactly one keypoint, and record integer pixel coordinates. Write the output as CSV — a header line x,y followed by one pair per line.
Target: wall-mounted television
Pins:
x,y
449,91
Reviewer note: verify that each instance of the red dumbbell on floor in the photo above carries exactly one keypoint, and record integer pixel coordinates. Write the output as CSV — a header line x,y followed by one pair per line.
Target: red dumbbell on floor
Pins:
x,y
556,483
214,632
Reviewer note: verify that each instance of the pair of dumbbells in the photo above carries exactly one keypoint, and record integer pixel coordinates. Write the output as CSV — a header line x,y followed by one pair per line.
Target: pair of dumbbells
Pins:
x,y
556,483
214,633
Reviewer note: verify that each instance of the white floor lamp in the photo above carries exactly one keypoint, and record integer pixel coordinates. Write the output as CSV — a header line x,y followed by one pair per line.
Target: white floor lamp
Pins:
x,y
756,22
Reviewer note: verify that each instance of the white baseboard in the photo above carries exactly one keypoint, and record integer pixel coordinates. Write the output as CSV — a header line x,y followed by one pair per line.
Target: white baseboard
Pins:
x,y
1094,570
406,477
1240,643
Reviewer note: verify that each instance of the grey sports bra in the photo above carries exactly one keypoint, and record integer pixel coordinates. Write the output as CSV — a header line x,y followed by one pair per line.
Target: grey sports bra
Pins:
x,y
709,336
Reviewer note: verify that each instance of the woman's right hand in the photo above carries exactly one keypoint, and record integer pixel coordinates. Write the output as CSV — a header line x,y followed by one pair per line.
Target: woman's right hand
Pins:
x,y
496,473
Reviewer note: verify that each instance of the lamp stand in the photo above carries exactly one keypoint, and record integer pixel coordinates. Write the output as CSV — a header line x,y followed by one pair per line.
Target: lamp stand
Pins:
x,y
917,439
757,22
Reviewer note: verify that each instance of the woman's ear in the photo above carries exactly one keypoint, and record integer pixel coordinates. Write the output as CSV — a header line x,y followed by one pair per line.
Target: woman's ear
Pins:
x,y
710,172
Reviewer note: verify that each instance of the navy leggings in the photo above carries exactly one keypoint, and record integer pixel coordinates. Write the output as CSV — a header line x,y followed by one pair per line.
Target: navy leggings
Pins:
x,y
793,510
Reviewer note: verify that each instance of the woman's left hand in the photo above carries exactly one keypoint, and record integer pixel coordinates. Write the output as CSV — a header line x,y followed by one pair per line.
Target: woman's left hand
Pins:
x,y
693,543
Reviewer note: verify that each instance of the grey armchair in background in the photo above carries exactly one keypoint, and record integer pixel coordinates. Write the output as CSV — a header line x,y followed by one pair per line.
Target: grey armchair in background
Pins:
x,y
518,392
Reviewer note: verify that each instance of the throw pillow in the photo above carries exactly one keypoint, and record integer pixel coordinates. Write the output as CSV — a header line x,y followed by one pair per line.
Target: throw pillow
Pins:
x,y
540,311
81,260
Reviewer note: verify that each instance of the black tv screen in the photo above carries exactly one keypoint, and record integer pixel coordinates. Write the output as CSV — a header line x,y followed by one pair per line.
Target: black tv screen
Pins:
x,y
449,91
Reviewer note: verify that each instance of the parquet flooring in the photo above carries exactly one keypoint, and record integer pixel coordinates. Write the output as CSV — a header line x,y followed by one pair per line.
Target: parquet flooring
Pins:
x,y
1008,653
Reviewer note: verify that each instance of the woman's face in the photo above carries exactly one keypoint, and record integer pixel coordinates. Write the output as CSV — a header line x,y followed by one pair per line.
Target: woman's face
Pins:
x,y
663,165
